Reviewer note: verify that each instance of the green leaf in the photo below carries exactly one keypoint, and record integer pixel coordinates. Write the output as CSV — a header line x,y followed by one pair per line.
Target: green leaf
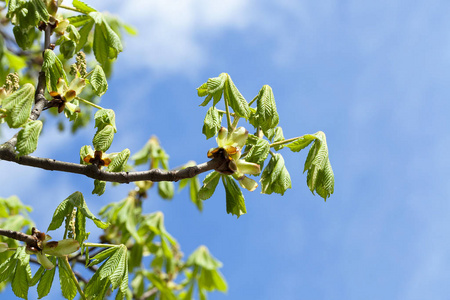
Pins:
x,y
53,69
84,33
266,109
79,20
22,274
27,138
82,6
68,287
100,46
37,276
98,81
278,137
275,177
99,187
320,177
166,189
209,185
77,200
62,211
202,258
7,267
104,117
119,161
103,138
68,49
18,105
23,40
19,282
259,152
41,9
80,229
193,192
12,6
235,99
302,142
212,123
112,39
211,280
235,199
46,281
101,256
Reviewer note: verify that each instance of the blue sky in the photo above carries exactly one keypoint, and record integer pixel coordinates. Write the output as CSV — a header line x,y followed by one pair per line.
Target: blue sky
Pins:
x,y
372,75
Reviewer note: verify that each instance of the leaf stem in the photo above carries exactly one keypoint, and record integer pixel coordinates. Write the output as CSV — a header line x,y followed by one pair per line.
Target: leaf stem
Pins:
x,y
224,112
89,103
72,276
99,245
284,142
253,100
88,74
230,126
70,8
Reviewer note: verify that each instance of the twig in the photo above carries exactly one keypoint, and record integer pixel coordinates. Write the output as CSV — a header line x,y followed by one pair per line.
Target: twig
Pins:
x,y
148,293
8,154
20,236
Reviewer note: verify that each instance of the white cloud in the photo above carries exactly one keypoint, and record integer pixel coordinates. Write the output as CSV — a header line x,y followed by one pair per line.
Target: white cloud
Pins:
x,y
170,31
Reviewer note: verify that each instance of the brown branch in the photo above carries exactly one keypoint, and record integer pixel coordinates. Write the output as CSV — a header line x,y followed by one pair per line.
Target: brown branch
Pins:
x,y
8,154
23,237
148,294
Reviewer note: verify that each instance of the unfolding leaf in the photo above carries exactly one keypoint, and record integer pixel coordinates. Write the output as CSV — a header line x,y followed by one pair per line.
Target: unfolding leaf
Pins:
x,y
105,117
18,105
209,185
103,138
202,258
275,177
68,287
46,281
82,6
212,123
166,189
258,152
266,109
53,69
98,80
235,99
235,199
119,161
302,142
99,187
27,138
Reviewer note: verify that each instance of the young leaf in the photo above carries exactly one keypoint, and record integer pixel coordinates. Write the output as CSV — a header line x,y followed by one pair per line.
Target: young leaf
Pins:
x,y
100,46
211,280
98,81
320,177
302,142
53,69
235,99
27,138
46,281
68,287
62,211
41,9
99,187
82,6
212,123
278,137
22,275
202,258
7,267
194,187
209,185
18,105
37,276
275,177
105,117
101,256
166,189
112,39
235,199
259,152
266,109
84,33
103,138
119,161
77,200
79,20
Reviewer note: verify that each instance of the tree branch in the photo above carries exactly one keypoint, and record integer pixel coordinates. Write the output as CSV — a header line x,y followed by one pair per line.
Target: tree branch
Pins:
x,y
16,235
8,154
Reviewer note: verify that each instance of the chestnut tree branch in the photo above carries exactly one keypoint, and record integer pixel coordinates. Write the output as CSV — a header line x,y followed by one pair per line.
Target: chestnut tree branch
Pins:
x,y
7,153
20,236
